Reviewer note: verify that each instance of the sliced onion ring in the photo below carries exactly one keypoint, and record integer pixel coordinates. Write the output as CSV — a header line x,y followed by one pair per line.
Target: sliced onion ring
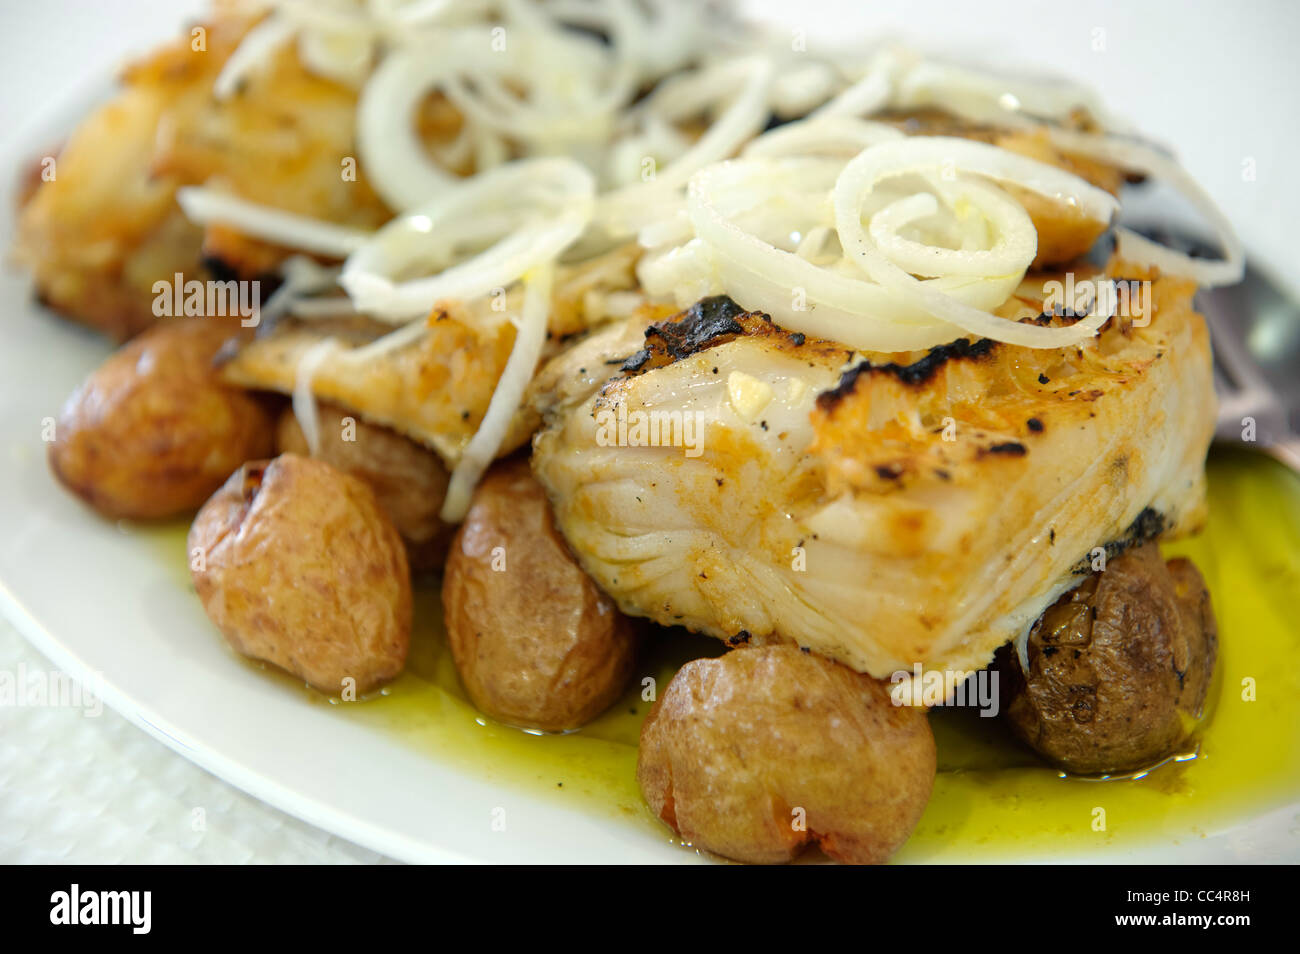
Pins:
x,y
944,155
868,95
396,162
821,135
563,192
1015,245
629,208
838,305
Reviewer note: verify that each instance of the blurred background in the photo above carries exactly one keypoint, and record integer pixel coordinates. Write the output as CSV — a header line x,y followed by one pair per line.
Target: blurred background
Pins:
x,y
1218,81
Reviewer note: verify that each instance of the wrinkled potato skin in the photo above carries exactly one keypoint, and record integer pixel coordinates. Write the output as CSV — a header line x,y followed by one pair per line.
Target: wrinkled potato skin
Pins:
x,y
151,433
736,743
409,481
300,567
536,645
1119,669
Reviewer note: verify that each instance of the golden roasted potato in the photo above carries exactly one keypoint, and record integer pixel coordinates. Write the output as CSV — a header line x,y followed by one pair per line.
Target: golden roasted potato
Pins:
x,y
298,565
151,433
758,752
409,481
1119,668
535,642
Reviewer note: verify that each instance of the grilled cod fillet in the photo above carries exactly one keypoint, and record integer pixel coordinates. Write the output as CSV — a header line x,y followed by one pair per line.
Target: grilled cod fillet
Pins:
x,y
827,505
437,389
106,227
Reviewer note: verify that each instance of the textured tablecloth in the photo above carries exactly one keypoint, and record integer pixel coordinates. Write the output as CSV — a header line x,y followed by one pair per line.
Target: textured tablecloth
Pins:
x,y
81,788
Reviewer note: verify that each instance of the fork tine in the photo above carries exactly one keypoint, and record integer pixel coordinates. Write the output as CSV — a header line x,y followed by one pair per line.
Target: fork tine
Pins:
x,y
1223,382
1230,355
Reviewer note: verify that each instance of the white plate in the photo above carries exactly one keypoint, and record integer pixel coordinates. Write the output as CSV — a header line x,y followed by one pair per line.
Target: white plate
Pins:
x,y
102,604
101,601
97,599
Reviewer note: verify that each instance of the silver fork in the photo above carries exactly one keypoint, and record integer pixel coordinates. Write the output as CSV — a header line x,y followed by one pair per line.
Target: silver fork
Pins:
x,y
1255,331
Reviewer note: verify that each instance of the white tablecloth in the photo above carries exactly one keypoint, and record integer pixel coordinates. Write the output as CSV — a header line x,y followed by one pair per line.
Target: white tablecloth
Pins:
x,y
86,789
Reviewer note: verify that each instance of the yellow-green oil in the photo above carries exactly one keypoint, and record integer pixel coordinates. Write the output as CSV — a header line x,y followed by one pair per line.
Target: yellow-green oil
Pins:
x,y
992,797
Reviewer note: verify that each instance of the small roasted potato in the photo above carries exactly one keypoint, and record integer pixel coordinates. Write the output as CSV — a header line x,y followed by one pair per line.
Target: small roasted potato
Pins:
x,y
1119,669
758,752
298,565
409,481
536,643
151,433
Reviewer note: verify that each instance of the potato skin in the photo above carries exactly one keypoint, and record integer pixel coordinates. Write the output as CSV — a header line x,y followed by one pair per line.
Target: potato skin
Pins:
x,y
151,433
297,564
536,644
1119,669
736,743
409,481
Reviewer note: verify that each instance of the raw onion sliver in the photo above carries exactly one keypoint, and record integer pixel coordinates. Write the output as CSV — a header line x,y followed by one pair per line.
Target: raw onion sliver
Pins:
x,y
483,446
946,156
205,206
564,207
258,45
304,399
817,135
628,208
840,306
396,162
1134,157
